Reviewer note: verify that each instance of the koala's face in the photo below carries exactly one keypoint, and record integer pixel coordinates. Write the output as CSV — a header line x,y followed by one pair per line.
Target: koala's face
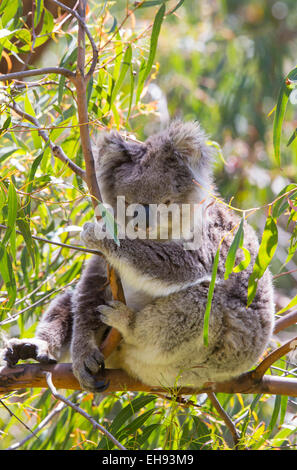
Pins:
x,y
157,172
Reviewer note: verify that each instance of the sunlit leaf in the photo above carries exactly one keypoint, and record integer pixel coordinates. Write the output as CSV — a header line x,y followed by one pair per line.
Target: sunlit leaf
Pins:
x,y
281,105
124,69
145,70
265,254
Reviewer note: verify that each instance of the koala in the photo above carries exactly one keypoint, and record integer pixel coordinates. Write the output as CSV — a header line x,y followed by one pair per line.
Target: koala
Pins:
x,y
165,283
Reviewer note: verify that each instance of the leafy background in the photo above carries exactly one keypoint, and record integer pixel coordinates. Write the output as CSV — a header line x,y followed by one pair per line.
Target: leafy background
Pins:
x,y
221,62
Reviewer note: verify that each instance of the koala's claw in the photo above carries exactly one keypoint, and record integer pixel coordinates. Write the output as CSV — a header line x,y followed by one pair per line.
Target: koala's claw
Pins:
x,y
87,367
32,348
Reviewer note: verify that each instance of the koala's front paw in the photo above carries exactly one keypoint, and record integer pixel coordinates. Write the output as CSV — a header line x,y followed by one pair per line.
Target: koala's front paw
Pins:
x,y
116,314
28,348
86,364
92,234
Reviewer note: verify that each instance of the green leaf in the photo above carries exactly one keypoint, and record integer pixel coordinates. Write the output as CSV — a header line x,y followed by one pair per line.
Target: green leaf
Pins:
x,y
281,106
291,304
30,110
38,12
141,79
132,83
126,413
31,177
248,417
151,3
292,138
283,409
61,89
124,69
265,254
280,205
114,25
154,39
275,413
5,152
236,243
210,296
24,228
6,272
12,213
10,11
111,225
178,5
135,425
145,69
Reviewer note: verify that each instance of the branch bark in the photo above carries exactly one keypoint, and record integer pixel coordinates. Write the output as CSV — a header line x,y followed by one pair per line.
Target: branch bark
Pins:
x,y
35,72
32,375
80,83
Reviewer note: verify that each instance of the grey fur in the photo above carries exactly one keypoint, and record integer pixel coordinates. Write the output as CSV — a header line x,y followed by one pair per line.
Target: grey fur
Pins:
x,y
165,285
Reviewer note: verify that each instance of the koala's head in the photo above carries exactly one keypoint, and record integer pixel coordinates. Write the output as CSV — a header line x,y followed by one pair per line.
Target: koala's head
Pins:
x,y
160,170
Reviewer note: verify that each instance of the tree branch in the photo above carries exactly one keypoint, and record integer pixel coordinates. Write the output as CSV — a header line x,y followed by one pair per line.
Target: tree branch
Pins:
x,y
32,375
56,149
226,418
80,83
81,411
62,245
83,25
285,321
273,357
33,73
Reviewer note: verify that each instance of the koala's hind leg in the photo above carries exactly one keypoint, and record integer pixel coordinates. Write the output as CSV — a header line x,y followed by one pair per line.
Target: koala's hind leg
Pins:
x,y
53,334
88,330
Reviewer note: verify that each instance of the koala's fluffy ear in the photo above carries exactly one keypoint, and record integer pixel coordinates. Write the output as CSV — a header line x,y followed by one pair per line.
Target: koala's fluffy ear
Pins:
x,y
189,140
111,147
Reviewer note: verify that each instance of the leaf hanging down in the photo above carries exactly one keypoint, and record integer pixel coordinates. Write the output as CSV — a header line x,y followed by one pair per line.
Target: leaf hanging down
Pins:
x,y
124,69
280,110
265,254
237,244
144,71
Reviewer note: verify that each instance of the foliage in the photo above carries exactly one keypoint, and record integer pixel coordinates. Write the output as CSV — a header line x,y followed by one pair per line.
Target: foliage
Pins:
x,y
228,63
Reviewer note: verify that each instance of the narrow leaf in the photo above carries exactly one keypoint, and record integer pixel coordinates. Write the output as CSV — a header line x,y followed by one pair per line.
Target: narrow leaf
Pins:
x,y
265,254
280,110
236,243
124,69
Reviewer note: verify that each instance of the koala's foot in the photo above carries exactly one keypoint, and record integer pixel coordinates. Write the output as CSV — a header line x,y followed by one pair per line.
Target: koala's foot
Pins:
x,y
86,364
28,348
117,315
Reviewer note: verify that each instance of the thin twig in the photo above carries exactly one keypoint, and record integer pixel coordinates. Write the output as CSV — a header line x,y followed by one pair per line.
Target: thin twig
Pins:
x,y
60,407
226,418
56,150
15,416
81,411
273,357
33,73
63,245
16,315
